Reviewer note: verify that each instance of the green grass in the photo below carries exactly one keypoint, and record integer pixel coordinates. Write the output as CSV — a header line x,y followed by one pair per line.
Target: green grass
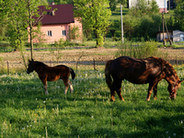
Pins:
x,y
27,112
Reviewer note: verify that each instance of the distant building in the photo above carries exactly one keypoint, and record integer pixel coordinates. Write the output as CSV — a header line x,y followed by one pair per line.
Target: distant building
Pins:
x,y
178,36
175,36
57,24
162,4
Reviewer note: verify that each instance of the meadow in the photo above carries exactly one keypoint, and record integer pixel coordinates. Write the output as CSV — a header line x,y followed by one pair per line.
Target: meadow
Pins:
x,y
88,112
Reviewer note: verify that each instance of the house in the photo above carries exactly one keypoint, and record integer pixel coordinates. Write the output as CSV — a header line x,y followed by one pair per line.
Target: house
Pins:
x,y
162,4
57,23
175,36
164,35
178,36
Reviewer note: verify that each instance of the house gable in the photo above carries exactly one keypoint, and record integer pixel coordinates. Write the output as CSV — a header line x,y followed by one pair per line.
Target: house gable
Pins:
x,y
57,14
57,23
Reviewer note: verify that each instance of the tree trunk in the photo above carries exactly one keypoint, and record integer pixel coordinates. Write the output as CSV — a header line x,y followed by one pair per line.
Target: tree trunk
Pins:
x,y
30,28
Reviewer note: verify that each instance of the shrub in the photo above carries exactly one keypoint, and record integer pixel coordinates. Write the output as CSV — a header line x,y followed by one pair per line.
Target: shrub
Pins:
x,y
139,50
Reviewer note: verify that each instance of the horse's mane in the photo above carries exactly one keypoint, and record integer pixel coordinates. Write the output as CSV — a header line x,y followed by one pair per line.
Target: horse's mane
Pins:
x,y
38,63
169,68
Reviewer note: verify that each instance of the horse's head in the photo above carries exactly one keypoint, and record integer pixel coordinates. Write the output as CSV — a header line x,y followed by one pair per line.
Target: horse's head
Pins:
x,y
30,66
172,88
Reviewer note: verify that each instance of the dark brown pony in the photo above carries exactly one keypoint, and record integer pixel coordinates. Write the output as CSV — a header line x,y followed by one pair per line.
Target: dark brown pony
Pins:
x,y
47,73
140,71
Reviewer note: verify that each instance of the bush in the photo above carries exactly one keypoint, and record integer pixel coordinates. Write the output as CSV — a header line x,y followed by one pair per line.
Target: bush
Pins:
x,y
139,50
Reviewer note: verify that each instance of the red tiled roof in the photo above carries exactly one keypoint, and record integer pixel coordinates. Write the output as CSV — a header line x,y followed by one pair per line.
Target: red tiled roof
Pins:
x,y
63,14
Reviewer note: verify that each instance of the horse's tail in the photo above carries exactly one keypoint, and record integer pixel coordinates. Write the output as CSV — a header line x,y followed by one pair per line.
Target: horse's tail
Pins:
x,y
72,73
108,77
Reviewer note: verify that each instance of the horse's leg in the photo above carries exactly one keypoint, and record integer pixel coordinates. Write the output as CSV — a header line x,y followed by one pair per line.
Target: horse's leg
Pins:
x,y
111,87
112,94
109,82
71,87
155,92
66,84
44,81
150,89
118,89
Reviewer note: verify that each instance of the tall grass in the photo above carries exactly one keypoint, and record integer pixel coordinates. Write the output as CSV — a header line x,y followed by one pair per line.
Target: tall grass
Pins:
x,y
140,50
27,112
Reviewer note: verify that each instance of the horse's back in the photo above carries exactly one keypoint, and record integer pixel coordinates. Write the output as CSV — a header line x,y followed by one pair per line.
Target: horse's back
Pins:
x,y
127,64
136,70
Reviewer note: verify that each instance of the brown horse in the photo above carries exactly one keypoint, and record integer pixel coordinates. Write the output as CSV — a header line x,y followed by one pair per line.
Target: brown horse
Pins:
x,y
47,73
140,71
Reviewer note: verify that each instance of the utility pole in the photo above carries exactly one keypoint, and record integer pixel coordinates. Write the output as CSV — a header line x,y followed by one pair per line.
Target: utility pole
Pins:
x,y
163,28
122,36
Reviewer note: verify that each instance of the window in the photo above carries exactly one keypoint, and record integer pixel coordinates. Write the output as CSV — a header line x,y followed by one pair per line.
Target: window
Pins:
x,y
49,33
64,32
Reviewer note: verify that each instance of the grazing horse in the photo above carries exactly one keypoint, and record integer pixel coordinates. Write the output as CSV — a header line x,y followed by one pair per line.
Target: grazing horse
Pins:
x,y
47,73
140,71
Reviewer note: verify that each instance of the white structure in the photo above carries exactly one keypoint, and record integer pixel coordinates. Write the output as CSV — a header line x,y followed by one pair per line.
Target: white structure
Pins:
x,y
162,4
178,36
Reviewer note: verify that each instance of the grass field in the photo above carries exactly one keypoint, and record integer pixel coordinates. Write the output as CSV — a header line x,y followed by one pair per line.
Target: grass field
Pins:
x,y
27,112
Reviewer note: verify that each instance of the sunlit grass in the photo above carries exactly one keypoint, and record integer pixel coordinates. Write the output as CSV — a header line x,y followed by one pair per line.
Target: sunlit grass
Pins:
x,y
27,112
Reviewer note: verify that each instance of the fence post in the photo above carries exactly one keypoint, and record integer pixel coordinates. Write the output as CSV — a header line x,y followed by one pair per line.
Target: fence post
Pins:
x,y
94,64
8,70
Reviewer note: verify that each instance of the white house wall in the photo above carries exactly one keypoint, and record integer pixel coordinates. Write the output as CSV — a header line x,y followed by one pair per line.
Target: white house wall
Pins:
x,y
160,3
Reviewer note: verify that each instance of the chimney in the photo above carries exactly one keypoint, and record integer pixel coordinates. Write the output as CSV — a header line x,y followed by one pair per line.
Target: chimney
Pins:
x,y
53,13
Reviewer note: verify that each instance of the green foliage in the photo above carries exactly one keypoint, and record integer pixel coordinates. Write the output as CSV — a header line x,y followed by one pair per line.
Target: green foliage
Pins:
x,y
73,33
139,50
178,15
115,30
16,22
60,44
95,17
114,3
153,7
2,66
61,1
142,21
88,112
144,8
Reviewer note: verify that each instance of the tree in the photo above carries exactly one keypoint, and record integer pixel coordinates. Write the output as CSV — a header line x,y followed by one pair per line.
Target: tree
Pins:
x,y
113,4
62,1
3,20
143,8
142,21
33,17
19,16
95,17
179,12
16,23
153,7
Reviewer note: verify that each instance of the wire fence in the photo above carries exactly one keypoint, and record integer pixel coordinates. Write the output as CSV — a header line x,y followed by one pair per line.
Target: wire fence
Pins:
x,y
9,67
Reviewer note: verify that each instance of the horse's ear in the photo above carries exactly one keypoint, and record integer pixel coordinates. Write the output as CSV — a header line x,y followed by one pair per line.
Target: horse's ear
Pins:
x,y
32,59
